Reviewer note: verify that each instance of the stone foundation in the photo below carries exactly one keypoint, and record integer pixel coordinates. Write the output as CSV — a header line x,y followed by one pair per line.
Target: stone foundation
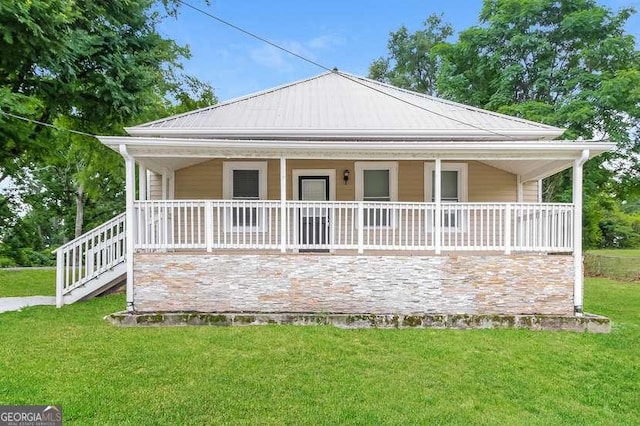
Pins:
x,y
587,323
379,285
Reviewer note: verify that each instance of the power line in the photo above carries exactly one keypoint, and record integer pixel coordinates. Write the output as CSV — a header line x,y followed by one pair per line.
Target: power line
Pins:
x,y
42,123
250,34
264,40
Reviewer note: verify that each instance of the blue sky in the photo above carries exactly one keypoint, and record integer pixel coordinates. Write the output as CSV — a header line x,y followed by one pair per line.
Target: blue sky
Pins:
x,y
348,34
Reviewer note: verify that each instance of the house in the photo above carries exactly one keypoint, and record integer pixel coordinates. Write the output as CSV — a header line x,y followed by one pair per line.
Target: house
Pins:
x,y
339,194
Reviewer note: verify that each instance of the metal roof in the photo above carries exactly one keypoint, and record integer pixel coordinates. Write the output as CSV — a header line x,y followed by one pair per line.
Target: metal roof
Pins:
x,y
340,106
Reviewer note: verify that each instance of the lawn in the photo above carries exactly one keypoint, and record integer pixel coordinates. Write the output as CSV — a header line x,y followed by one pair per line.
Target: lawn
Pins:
x,y
33,282
105,375
616,252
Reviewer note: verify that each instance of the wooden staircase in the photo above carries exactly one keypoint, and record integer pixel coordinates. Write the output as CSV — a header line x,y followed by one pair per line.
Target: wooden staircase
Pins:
x,y
91,264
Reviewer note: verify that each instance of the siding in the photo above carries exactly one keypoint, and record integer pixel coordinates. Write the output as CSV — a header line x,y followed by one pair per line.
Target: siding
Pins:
x,y
155,186
530,192
485,183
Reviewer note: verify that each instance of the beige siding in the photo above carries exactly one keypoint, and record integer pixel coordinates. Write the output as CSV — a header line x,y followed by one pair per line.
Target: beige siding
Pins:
x,y
530,192
488,184
485,183
155,186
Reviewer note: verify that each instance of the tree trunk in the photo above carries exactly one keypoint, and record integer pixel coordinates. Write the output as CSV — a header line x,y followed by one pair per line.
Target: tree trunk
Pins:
x,y
79,212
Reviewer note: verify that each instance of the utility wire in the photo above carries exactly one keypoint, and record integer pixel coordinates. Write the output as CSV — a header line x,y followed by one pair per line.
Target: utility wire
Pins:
x,y
42,123
264,40
250,34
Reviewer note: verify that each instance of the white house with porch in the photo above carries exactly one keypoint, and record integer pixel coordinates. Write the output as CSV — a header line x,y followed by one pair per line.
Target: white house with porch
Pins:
x,y
339,194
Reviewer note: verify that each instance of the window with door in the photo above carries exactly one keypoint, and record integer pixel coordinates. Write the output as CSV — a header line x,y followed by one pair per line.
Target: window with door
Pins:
x,y
244,181
453,189
377,182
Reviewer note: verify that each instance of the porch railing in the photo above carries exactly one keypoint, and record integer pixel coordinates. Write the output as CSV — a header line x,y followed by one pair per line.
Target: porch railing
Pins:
x,y
352,225
88,256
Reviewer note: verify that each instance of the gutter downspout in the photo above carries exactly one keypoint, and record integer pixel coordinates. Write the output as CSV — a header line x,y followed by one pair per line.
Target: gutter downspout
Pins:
x,y
578,280
130,174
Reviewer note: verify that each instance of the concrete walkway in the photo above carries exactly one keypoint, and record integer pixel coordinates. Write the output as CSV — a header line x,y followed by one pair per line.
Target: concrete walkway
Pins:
x,y
17,303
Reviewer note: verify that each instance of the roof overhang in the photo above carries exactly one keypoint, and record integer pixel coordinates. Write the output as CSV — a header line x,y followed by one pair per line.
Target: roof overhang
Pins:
x,y
323,135
531,160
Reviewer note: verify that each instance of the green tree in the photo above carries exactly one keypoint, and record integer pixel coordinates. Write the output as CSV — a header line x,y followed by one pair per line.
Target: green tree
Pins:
x,y
414,61
89,65
568,63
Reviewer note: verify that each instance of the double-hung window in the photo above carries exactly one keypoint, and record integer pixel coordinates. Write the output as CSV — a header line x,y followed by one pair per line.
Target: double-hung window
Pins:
x,y
453,189
377,182
244,182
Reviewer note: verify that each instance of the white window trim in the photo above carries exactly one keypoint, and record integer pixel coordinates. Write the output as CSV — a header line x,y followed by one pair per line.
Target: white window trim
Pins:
x,y
463,183
296,173
463,188
392,166
227,187
227,176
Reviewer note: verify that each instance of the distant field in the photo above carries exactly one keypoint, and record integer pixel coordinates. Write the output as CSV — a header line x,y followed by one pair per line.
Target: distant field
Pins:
x,y
27,282
616,252
615,264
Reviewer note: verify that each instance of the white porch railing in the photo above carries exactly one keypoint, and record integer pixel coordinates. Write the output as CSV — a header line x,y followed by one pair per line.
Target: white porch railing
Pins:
x,y
352,225
90,255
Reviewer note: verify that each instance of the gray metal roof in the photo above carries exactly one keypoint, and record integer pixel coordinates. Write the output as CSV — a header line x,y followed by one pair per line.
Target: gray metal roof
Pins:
x,y
337,105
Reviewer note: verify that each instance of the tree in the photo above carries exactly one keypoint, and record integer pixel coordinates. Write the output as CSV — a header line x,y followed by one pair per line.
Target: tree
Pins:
x,y
414,61
89,65
567,63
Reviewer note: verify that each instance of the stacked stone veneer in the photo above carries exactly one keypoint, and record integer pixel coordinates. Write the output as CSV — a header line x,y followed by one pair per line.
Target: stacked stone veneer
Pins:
x,y
448,284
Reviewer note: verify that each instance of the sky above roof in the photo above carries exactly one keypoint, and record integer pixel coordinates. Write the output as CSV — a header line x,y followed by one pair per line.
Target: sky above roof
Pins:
x,y
348,35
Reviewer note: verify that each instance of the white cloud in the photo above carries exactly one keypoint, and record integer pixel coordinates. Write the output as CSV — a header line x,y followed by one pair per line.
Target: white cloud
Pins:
x,y
280,60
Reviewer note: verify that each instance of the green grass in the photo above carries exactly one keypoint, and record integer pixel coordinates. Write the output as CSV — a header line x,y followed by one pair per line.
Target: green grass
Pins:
x,y
27,282
616,252
105,375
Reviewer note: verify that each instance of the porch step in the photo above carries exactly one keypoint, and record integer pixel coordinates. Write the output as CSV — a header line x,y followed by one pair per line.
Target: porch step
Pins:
x,y
98,285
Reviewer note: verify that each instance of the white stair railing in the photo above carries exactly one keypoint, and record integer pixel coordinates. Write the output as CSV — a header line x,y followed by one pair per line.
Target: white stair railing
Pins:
x,y
90,255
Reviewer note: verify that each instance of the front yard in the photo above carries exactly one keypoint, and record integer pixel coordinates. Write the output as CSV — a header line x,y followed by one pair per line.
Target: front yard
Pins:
x,y
321,375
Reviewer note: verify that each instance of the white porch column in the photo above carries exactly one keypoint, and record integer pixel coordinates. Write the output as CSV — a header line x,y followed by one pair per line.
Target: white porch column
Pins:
x,y
520,189
130,185
165,184
578,283
539,191
142,183
172,185
437,196
283,205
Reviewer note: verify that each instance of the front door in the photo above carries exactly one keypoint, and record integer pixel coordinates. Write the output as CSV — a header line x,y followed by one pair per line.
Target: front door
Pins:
x,y
313,220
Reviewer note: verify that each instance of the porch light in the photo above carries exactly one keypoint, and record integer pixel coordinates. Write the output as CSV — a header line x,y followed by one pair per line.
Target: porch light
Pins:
x,y
345,176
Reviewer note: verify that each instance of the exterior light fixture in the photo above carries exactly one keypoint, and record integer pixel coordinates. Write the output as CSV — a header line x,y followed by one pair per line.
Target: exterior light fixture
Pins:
x,y
345,176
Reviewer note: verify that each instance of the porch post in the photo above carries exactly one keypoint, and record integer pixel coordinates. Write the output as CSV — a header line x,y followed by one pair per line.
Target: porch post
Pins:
x,y
539,191
520,189
172,185
165,181
130,185
577,232
142,183
283,205
437,196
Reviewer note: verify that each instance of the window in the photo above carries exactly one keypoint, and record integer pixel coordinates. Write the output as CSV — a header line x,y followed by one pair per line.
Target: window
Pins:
x,y
244,181
377,182
453,189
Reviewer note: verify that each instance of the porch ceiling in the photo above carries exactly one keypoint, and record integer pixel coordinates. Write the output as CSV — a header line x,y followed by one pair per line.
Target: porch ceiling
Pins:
x,y
531,160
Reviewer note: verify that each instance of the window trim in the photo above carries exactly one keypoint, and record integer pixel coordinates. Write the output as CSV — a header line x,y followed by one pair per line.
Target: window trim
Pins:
x,y
463,188
228,167
392,167
463,182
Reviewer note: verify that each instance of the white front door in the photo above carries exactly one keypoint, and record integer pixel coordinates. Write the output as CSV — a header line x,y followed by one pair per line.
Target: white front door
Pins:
x,y
313,219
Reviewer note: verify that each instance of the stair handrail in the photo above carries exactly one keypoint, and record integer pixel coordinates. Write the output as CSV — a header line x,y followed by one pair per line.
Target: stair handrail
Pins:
x,y
89,255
